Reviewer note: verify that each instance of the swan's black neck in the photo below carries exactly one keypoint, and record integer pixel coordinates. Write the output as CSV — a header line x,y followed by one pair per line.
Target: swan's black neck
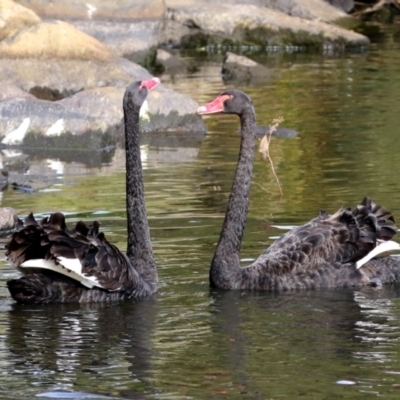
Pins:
x,y
139,250
227,252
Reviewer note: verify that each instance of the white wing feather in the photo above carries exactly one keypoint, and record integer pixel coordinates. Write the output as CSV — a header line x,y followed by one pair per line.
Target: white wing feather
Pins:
x,y
66,266
388,245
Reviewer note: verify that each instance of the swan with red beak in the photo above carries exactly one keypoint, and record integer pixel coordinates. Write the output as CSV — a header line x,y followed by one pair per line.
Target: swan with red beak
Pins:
x,y
329,251
61,265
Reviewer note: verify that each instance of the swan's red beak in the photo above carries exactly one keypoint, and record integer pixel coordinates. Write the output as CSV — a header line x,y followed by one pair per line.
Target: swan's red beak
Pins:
x,y
150,84
215,106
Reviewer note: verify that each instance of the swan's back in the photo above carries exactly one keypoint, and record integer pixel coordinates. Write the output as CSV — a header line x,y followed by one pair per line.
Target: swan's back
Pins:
x,y
323,252
343,237
89,267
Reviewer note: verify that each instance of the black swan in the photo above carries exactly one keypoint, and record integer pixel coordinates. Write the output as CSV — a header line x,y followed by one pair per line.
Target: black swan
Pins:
x,y
329,251
80,265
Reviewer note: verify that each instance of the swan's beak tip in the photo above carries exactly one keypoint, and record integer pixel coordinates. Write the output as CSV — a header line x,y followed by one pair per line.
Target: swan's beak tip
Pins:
x,y
202,110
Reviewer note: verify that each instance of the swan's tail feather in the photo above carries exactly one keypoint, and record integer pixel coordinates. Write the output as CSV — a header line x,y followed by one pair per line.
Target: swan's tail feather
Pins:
x,y
371,224
48,237
375,219
27,242
56,222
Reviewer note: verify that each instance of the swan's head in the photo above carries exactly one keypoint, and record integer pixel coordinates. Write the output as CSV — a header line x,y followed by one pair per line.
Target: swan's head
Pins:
x,y
137,92
228,102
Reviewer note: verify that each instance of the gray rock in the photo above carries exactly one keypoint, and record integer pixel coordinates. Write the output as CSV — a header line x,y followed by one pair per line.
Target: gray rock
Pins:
x,y
30,183
126,39
345,5
170,62
97,9
243,69
8,219
103,103
307,9
94,114
251,25
164,110
23,118
10,91
89,111
55,79
170,111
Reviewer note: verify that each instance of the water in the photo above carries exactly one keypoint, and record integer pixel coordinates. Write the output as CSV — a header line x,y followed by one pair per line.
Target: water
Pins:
x,y
188,341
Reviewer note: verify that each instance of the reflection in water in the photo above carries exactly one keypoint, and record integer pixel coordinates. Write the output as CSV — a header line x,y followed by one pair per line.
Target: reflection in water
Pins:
x,y
73,346
275,338
33,169
378,326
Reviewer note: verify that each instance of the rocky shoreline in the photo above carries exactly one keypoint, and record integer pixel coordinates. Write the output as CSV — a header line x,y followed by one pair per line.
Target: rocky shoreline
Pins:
x,y
65,64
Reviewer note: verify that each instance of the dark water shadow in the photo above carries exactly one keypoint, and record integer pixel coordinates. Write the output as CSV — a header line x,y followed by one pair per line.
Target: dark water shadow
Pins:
x,y
340,324
76,346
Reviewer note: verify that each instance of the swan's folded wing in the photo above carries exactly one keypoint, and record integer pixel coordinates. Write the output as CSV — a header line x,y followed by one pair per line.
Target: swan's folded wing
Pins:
x,y
311,245
82,254
346,236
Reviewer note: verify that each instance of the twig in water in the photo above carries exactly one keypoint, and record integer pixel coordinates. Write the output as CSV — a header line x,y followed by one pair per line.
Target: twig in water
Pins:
x,y
264,147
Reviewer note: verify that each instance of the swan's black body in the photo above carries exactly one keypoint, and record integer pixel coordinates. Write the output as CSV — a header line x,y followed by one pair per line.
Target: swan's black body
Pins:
x,y
321,253
116,275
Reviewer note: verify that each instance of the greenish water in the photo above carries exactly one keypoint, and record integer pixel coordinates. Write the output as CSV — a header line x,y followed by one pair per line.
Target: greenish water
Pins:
x,y
190,342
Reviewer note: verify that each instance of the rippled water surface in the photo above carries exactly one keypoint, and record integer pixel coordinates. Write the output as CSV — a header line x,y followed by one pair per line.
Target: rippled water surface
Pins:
x,y
188,341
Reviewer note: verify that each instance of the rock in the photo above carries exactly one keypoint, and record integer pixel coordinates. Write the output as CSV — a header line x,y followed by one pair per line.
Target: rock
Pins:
x,y
169,62
126,39
56,79
92,119
55,40
10,91
307,9
95,113
8,219
97,9
14,17
103,103
164,110
345,5
235,25
170,111
30,183
24,117
243,69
